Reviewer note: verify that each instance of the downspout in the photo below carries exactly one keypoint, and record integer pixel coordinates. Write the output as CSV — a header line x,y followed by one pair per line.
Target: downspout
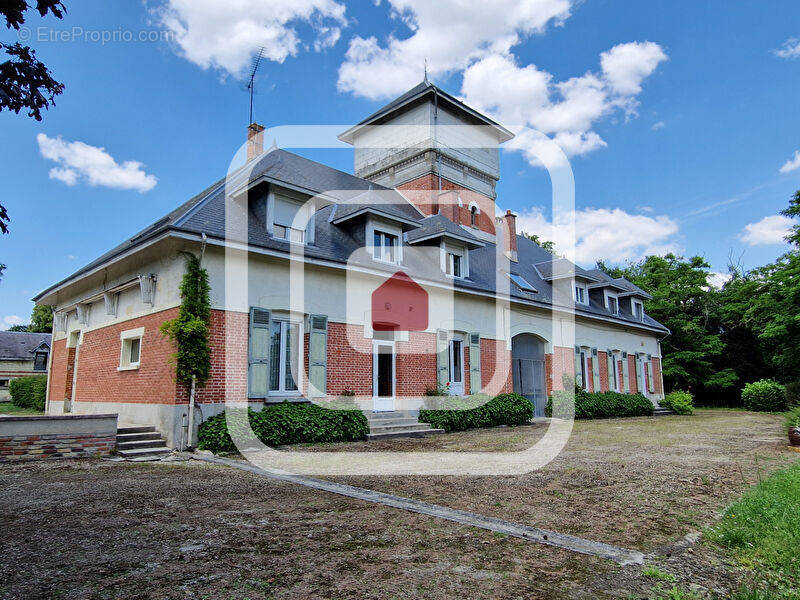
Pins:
x,y
190,428
50,363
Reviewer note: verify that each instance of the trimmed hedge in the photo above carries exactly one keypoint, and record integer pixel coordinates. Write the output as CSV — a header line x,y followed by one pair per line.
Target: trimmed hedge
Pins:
x,y
28,392
602,405
505,409
678,401
288,423
764,396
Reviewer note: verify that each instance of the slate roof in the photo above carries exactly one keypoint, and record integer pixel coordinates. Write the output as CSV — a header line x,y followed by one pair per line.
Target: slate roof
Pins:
x,y
625,287
205,213
439,225
19,345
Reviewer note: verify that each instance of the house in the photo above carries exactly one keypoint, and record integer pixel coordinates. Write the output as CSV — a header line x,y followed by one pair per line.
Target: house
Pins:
x,y
21,354
316,275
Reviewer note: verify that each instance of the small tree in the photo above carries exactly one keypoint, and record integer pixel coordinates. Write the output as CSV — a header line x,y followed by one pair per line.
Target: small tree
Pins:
x,y
41,319
190,330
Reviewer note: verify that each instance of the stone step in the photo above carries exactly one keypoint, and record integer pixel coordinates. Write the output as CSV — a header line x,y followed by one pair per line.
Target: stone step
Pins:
x,y
157,443
145,452
135,437
124,429
419,432
392,414
663,412
404,427
396,421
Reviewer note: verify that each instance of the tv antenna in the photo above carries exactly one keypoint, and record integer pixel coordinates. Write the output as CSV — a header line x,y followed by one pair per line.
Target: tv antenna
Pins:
x,y
251,83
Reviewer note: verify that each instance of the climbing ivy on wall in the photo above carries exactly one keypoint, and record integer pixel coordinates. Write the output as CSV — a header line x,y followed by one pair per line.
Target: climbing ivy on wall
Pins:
x,y
190,330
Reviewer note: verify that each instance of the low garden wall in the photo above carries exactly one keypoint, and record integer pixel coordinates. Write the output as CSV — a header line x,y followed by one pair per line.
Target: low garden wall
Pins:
x,y
67,436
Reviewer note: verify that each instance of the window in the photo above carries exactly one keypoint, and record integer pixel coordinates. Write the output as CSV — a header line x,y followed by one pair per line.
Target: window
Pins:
x,y
581,296
473,215
131,354
613,375
385,247
40,361
521,282
4,384
289,220
638,311
612,304
582,377
290,234
285,357
453,266
456,367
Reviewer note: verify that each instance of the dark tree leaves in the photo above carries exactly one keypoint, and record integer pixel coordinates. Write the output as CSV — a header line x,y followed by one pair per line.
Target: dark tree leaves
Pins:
x,y
14,10
26,83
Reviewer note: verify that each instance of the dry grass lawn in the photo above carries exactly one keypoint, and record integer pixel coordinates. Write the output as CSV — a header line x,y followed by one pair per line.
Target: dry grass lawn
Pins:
x,y
96,529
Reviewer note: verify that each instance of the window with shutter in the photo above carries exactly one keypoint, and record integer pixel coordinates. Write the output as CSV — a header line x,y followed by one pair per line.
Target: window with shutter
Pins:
x,y
258,353
625,378
475,363
595,371
317,355
442,358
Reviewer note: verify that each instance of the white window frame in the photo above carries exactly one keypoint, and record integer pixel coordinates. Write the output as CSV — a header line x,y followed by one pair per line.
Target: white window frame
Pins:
x,y
383,403
634,304
585,290
585,354
451,367
608,296
282,392
385,228
306,235
126,339
446,252
616,357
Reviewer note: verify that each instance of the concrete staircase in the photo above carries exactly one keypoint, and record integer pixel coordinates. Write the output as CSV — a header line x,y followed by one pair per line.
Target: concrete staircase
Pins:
x,y
394,424
140,441
660,411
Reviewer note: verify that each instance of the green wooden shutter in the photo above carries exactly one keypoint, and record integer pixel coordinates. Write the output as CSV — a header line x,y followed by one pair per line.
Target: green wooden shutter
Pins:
x,y
578,367
317,355
625,378
258,353
639,383
611,370
442,358
650,383
474,363
595,371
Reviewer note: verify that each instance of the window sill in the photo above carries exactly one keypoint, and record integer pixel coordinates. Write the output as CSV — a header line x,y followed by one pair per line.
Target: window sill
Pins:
x,y
129,368
285,398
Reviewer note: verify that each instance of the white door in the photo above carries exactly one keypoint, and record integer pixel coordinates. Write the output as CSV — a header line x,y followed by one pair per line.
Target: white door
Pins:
x,y
383,376
457,367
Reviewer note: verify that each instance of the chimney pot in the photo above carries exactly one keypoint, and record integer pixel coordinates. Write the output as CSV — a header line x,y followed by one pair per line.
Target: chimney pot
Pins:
x,y
255,141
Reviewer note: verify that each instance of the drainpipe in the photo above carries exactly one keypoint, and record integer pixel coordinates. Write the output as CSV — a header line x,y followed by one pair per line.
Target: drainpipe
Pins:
x,y
190,428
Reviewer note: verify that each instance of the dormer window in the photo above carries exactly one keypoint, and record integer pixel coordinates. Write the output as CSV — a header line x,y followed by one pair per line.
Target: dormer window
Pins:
x,y
453,265
638,311
454,260
612,304
581,294
385,246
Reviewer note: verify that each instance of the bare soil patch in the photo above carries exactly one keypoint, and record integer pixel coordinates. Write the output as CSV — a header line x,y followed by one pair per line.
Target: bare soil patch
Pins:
x,y
95,529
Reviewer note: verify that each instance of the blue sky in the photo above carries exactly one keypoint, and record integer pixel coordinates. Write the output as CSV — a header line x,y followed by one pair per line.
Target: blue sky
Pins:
x,y
681,120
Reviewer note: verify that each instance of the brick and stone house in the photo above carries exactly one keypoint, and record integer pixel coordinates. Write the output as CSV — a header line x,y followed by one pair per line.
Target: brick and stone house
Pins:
x,y
21,354
386,283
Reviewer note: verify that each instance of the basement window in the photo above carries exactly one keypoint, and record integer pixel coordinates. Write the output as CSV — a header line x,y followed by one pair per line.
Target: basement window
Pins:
x,y
131,349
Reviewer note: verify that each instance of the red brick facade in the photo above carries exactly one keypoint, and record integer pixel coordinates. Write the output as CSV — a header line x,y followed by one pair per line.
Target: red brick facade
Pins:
x,y
67,445
657,383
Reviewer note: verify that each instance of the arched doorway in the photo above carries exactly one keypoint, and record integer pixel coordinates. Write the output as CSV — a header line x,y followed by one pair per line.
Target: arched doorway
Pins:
x,y
528,370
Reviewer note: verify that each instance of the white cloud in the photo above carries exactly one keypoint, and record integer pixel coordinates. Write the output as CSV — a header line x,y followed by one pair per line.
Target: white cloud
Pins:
x,y
526,97
600,233
717,280
789,49
791,164
449,34
11,320
625,66
225,35
657,126
767,231
78,161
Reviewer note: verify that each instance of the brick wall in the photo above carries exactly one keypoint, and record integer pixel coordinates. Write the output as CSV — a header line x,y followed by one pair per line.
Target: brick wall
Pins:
x,y
66,445
657,375
58,371
348,367
563,362
423,192
632,373
416,364
229,331
495,357
602,358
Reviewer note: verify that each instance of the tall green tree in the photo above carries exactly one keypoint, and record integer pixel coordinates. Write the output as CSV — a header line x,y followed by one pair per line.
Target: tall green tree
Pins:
x,y
684,302
547,245
190,330
41,319
793,211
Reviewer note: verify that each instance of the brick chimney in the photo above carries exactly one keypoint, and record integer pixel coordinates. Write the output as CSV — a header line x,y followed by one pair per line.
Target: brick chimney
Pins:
x,y
255,141
448,203
508,225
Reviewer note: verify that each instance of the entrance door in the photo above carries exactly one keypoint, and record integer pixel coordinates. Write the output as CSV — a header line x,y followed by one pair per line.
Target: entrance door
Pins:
x,y
383,379
457,366
528,370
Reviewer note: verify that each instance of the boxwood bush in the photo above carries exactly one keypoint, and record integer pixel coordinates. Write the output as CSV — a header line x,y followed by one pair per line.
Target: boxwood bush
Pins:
x,y
601,405
288,423
679,401
505,409
28,392
764,396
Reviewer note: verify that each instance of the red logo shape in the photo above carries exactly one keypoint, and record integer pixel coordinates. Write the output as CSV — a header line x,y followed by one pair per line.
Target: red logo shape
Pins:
x,y
400,304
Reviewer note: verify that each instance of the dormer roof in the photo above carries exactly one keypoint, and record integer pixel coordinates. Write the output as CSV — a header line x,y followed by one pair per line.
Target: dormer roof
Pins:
x,y
439,226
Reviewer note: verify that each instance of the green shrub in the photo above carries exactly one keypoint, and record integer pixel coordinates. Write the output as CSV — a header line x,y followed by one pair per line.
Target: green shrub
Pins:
x,y
793,418
288,423
792,393
505,409
678,401
28,392
765,396
600,405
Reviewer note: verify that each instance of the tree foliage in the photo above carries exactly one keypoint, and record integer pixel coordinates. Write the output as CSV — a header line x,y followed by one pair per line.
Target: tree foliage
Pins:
x,y
190,330
25,82
19,328
547,245
41,319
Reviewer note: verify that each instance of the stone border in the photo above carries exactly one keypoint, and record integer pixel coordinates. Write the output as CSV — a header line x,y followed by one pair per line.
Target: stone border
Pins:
x,y
37,437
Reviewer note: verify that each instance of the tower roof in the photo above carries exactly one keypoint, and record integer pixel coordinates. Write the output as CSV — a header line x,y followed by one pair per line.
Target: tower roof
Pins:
x,y
422,92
